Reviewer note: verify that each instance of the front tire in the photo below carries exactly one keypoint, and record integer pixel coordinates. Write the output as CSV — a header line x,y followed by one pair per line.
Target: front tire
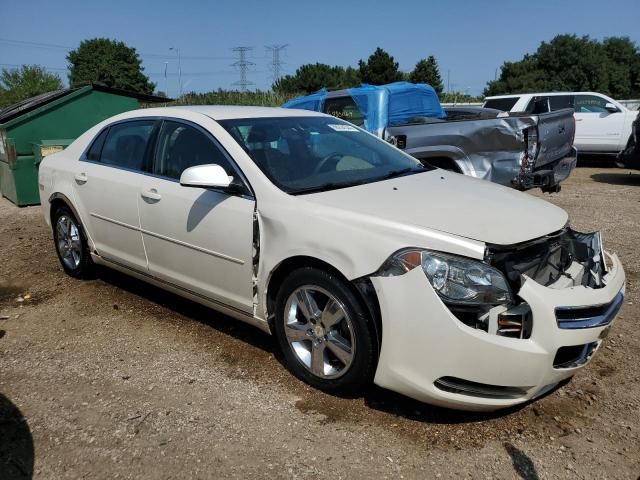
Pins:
x,y
325,332
71,243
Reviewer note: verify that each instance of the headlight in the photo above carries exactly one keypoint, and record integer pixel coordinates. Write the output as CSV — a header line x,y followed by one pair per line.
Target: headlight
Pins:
x,y
457,280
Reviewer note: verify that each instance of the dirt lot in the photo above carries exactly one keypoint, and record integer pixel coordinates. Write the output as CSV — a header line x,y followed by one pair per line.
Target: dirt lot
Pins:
x,y
111,378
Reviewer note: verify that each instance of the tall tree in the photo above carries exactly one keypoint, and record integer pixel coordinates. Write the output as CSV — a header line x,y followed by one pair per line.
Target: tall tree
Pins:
x,y
379,69
312,77
426,71
110,63
573,63
624,66
25,82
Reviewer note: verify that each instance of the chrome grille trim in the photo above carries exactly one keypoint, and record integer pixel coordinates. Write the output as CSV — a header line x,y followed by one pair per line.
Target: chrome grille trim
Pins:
x,y
589,316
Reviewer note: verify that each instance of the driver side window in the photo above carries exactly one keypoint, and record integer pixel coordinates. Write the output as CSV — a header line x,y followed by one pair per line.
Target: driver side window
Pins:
x,y
181,146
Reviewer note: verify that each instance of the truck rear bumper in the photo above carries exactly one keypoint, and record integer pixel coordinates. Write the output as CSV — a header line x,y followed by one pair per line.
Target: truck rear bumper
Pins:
x,y
547,177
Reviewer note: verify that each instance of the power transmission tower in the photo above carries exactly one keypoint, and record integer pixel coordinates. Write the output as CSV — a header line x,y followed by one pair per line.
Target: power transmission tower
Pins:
x,y
276,63
243,64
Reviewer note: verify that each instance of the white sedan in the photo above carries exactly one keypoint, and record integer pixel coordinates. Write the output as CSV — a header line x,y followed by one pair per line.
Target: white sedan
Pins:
x,y
364,265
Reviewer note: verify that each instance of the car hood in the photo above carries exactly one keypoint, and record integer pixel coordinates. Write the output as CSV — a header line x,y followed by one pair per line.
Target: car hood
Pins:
x,y
451,203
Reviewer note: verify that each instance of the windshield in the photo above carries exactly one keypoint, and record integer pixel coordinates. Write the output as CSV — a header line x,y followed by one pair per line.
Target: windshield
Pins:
x,y
310,154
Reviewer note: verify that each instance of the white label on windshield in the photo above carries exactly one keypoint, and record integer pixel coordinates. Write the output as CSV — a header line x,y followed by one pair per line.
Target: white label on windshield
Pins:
x,y
339,127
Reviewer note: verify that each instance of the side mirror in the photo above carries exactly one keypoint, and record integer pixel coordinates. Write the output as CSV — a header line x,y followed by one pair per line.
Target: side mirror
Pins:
x,y
611,107
205,176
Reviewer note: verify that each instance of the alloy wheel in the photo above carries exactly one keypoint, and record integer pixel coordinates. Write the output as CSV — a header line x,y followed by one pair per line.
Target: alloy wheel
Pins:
x,y
68,242
319,331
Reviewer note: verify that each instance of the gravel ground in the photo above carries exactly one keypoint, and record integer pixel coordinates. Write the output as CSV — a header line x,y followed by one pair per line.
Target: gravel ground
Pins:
x,y
111,378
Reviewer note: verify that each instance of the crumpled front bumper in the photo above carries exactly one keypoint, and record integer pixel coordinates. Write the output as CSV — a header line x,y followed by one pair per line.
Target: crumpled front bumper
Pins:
x,y
422,342
547,177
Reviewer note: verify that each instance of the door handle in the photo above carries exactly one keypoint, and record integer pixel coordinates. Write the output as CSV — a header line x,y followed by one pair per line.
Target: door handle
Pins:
x,y
81,178
151,194
579,119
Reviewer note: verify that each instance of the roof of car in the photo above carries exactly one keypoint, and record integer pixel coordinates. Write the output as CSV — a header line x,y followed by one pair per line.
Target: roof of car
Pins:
x,y
228,112
535,94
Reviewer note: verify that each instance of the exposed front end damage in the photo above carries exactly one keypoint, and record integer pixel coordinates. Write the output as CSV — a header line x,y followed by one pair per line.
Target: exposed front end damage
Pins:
x,y
560,260
566,292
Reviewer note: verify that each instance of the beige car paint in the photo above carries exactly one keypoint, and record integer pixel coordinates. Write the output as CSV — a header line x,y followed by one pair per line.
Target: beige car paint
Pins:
x,y
353,229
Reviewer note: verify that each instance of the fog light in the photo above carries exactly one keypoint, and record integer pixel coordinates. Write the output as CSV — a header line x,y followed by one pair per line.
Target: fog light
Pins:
x,y
517,322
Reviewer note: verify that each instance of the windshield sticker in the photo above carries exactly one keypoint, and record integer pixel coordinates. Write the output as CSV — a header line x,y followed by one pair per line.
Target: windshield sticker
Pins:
x,y
338,127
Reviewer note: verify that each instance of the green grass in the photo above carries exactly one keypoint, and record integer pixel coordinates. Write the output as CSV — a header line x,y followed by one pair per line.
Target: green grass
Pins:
x,y
225,97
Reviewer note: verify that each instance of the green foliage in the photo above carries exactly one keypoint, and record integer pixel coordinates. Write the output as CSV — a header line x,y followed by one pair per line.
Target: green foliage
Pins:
x,y
458,97
25,82
310,78
108,62
573,63
226,97
426,71
624,66
274,99
379,69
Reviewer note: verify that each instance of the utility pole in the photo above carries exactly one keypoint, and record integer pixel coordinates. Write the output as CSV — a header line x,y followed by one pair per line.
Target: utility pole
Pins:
x,y
179,70
166,82
448,80
243,64
276,63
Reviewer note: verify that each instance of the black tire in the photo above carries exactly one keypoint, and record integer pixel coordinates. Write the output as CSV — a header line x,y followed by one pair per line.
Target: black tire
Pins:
x,y
84,267
361,332
443,163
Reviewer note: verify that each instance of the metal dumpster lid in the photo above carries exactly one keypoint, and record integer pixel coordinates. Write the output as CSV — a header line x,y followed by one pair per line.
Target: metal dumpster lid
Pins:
x,y
56,142
13,111
17,109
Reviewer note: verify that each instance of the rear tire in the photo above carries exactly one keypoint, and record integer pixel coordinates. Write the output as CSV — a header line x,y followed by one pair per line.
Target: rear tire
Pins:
x,y
71,243
443,163
325,332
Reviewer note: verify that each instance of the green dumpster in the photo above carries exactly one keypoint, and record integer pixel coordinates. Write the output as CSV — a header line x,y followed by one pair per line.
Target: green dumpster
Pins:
x,y
28,131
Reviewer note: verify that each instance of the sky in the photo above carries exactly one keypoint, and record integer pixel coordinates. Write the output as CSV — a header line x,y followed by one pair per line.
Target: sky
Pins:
x,y
470,39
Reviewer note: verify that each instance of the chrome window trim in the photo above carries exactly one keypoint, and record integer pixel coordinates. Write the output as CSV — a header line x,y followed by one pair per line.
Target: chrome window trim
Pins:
x,y
83,155
161,119
217,144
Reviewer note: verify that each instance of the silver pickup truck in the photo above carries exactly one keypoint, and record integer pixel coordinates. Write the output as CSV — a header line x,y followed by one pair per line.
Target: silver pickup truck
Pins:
x,y
520,150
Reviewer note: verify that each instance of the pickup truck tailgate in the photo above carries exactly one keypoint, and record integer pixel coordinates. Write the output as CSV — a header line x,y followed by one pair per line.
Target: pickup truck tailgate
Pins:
x,y
555,136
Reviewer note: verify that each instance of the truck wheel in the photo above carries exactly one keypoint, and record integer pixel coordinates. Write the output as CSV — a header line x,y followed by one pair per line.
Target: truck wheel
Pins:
x,y
324,332
443,163
71,243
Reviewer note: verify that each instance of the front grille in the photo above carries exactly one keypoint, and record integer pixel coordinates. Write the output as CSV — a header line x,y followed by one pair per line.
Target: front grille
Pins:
x,y
574,355
475,389
589,316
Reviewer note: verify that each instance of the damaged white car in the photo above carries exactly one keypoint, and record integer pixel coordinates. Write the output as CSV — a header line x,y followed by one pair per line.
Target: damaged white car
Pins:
x,y
363,263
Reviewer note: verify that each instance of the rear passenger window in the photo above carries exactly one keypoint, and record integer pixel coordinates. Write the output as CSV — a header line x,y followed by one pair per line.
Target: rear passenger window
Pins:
x,y
96,146
181,146
538,105
504,104
126,144
558,102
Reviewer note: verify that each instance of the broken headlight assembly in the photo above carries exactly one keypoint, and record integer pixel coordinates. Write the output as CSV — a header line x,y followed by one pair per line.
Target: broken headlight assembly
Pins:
x,y
470,289
457,280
